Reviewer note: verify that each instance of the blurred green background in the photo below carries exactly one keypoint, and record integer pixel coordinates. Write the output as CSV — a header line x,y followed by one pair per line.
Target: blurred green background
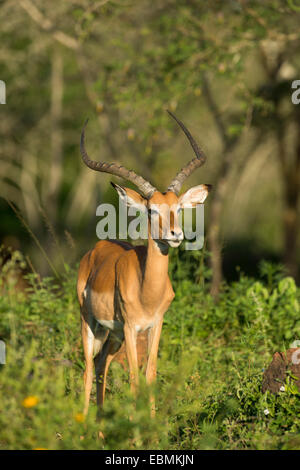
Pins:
x,y
224,68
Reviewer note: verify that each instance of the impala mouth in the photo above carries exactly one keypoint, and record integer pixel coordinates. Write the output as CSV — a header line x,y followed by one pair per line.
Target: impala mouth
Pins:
x,y
169,242
174,243
175,239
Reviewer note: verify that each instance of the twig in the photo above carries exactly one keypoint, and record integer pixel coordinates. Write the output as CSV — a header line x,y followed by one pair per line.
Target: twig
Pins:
x,y
47,25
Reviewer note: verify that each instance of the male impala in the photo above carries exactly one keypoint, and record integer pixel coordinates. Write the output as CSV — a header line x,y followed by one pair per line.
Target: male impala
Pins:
x,y
124,289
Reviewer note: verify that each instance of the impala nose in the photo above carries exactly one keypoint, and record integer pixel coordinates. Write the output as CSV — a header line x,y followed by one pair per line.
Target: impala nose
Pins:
x,y
177,235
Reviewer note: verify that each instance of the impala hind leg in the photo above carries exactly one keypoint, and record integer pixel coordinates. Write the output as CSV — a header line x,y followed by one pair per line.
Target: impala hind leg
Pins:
x,y
102,363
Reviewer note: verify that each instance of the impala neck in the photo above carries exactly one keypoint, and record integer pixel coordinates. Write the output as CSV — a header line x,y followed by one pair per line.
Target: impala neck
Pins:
x,y
156,270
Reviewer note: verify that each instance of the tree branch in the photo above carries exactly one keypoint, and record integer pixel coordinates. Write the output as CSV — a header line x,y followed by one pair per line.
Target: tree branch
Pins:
x,y
48,26
215,111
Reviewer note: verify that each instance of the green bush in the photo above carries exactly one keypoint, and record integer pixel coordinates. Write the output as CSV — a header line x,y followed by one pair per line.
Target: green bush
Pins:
x,y
210,368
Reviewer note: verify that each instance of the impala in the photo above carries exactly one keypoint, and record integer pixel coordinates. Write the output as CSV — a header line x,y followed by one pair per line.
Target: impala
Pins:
x,y
123,289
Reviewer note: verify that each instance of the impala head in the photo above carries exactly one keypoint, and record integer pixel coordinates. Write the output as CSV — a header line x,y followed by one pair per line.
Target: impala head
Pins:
x,y
162,208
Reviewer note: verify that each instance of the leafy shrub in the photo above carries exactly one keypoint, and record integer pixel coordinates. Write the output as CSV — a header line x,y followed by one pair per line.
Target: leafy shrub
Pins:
x,y
210,368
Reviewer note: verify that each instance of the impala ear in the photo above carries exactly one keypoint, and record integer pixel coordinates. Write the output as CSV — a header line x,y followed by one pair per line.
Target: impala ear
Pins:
x,y
195,195
130,197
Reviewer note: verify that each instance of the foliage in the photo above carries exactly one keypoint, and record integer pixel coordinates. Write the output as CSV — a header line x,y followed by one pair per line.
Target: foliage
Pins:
x,y
210,369
151,57
224,67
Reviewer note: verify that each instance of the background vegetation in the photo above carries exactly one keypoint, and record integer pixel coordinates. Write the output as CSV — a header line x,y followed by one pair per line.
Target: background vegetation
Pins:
x,y
226,69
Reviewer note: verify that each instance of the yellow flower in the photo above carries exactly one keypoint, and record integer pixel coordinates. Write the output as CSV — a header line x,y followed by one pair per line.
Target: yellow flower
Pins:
x,y
30,401
79,417
40,448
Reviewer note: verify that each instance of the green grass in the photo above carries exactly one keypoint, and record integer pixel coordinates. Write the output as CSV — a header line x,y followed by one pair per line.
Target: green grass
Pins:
x,y
210,368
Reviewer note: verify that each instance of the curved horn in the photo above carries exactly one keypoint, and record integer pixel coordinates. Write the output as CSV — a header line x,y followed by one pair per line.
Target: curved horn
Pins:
x,y
187,170
114,169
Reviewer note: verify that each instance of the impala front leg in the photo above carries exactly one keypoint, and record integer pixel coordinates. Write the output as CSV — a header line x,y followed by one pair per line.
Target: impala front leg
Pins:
x,y
153,343
88,340
131,351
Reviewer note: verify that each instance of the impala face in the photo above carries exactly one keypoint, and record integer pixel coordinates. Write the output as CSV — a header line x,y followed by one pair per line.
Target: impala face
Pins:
x,y
164,210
